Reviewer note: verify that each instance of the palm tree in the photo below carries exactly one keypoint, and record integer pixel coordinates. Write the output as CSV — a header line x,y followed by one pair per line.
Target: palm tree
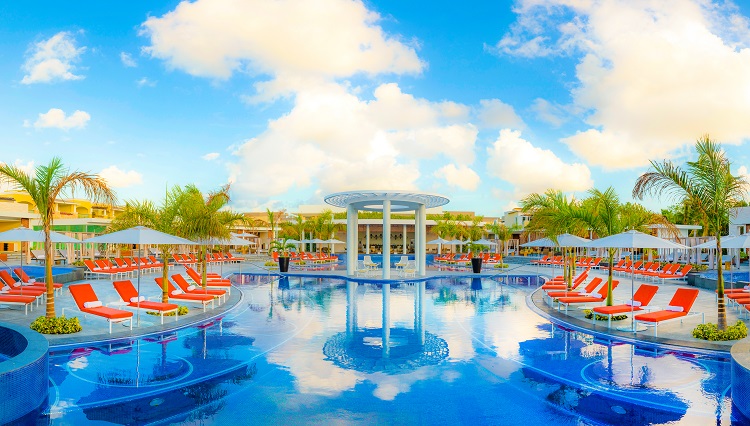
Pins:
x,y
709,186
164,218
203,218
553,214
503,234
605,215
45,186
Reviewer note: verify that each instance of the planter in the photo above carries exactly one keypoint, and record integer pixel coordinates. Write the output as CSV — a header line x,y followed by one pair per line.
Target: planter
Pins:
x,y
476,264
692,278
283,264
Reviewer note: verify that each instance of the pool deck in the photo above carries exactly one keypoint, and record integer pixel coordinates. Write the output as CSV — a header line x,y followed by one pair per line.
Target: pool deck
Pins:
x,y
95,329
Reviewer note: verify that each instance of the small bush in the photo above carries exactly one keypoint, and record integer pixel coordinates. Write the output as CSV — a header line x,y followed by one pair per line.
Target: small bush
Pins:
x,y
588,313
56,325
710,331
183,310
270,263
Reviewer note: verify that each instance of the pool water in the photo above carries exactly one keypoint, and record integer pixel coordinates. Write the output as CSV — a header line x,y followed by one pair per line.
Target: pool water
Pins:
x,y
447,351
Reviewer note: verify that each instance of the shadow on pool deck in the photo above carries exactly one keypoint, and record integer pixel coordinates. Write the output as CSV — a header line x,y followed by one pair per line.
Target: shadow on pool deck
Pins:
x,y
95,329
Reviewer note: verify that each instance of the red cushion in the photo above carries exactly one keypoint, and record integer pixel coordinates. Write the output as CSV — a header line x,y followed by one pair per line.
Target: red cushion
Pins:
x,y
659,316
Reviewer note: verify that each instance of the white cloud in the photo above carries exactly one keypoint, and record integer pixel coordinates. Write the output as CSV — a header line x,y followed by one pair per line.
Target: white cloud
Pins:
x,y
333,140
211,156
56,118
549,113
462,177
127,60
145,82
117,178
52,60
530,169
652,76
496,114
296,42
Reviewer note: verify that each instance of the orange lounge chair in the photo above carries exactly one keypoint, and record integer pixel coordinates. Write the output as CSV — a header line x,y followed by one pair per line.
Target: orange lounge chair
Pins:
x,y
18,299
234,258
95,270
16,288
641,298
588,289
129,295
193,289
21,274
210,281
561,285
177,294
678,308
88,303
677,275
599,296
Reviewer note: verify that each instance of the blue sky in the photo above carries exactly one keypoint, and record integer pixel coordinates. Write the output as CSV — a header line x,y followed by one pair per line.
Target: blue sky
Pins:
x,y
484,102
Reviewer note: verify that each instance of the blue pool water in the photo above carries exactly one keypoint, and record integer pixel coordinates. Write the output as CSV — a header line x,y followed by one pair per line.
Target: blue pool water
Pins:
x,y
447,351
35,271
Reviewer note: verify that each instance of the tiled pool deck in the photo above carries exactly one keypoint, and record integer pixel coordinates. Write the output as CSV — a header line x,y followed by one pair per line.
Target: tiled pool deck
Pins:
x,y
96,329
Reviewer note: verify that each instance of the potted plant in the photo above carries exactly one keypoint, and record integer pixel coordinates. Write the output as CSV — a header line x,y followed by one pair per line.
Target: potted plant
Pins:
x,y
476,260
282,247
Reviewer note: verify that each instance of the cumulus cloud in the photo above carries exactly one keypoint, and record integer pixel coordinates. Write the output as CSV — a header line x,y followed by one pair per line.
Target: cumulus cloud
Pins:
x,y
211,156
336,141
56,118
52,60
117,178
531,169
295,42
651,76
496,114
128,60
549,113
145,82
462,177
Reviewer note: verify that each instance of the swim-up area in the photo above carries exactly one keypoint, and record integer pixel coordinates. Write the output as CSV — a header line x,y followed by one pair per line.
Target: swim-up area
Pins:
x,y
304,350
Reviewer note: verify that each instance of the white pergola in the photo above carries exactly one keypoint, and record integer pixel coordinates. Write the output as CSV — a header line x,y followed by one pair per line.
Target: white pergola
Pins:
x,y
387,202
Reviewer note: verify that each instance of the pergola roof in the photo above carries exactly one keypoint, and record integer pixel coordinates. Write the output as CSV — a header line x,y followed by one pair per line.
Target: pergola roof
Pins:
x,y
373,200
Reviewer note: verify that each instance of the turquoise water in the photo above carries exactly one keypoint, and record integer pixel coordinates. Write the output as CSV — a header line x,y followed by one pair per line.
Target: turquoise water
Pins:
x,y
321,351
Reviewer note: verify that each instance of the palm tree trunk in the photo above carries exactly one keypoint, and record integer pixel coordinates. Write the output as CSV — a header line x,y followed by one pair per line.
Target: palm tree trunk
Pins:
x,y
48,260
204,281
722,312
165,275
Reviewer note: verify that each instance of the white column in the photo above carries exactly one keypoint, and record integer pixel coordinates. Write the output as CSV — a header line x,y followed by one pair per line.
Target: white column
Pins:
x,y
386,239
386,320
367,240
404,239
422,247
351,239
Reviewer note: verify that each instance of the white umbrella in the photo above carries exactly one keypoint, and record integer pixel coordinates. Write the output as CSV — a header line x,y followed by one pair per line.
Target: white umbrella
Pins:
x,y
244,235
25,234
139,235
485,242
568,240
332,242
632,240
541,242
439,241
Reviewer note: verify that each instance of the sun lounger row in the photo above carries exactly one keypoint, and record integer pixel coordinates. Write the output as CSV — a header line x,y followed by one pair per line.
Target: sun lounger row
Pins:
x,y
653,270
296,257
221,257
122,267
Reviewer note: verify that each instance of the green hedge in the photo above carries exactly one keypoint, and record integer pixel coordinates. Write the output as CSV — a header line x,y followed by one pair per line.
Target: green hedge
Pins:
x,y
710,331
56,325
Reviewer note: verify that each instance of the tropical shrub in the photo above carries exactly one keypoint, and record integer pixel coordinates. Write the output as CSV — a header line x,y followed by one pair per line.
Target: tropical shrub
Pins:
x,y
710,331
183,310
270,263
56,325
588,313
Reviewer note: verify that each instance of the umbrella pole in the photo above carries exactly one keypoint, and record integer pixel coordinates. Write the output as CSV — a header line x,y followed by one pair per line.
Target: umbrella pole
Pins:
x,y
138,311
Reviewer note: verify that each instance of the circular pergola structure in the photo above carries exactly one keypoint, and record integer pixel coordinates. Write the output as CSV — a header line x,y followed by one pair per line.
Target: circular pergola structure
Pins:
x,y
387,202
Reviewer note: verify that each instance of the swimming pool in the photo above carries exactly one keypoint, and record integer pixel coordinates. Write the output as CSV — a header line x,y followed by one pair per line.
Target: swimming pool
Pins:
x,y
318,350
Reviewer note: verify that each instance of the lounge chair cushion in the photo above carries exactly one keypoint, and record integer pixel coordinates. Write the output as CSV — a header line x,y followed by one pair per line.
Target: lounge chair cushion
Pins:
x,y
158,306
659,316
92,304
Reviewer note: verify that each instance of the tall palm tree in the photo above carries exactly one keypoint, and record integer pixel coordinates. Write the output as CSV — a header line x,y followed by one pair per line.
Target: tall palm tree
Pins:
x,y
553,214
503,234
164,218
46,185
204,218
605,215
710,187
